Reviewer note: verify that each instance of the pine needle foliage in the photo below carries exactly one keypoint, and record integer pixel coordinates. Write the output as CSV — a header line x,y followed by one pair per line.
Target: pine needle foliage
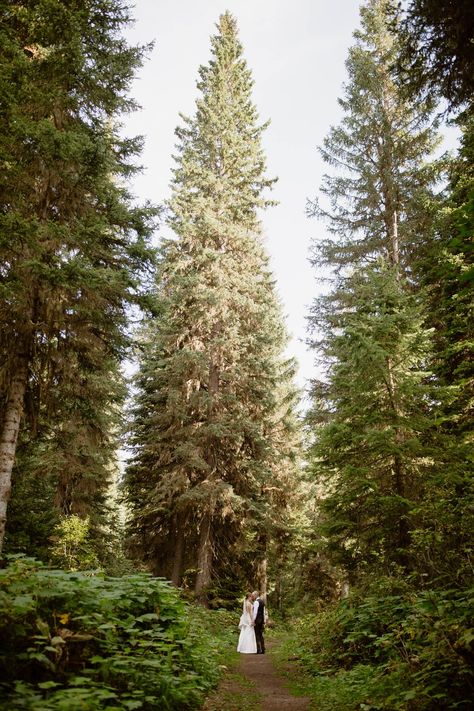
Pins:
x,y
376,199
371,421
73,244
446,269
438,50
370,416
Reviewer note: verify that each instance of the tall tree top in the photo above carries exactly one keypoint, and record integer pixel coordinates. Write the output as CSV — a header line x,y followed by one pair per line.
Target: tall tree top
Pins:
x,y
373,19
379,152
220,157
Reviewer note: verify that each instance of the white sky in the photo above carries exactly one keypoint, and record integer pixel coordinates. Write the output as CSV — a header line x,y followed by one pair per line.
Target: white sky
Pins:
x,y
296,51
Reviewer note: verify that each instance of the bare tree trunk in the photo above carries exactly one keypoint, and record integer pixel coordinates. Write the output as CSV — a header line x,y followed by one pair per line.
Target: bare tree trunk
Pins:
x,y
278,592
261,576
204,575
261,564
177,571
395,243
9,436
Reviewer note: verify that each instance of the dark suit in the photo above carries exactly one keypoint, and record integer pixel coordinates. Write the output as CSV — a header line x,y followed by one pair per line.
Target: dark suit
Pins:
x,y
259,625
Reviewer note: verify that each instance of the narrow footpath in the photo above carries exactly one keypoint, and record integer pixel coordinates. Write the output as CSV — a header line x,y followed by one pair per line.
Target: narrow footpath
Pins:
x,y
255,686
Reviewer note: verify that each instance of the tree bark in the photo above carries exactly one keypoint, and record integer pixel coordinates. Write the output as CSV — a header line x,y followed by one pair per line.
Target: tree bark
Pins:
x,y
204,575
261,576
278,592
403,532
9,436
213,380
261,564
205,554
177,571
395,242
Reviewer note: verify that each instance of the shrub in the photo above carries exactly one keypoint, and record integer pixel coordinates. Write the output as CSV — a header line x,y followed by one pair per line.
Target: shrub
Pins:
x,y
72,547
413,650
77,640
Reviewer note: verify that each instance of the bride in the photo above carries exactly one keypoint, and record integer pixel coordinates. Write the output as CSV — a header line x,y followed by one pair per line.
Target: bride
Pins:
x,y
247,643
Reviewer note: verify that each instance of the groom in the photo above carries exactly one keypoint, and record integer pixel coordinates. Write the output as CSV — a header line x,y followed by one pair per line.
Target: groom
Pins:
x,y
259,621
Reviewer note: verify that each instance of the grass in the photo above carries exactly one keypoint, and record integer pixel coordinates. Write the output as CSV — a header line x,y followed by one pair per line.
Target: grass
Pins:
x,y
328,692
234,693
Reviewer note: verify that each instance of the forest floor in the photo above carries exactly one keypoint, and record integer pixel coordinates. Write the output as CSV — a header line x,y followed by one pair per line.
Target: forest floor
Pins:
x,y
254,684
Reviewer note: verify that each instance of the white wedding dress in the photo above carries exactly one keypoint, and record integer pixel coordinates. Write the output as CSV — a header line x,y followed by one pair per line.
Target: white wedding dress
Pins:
x,y
247,643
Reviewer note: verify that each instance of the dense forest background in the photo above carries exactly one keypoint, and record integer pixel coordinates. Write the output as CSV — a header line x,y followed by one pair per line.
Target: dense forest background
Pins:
x,y
356,515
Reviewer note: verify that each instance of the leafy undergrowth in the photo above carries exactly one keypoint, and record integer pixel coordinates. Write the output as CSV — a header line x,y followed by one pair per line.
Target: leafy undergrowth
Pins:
x,y
410,651
87,641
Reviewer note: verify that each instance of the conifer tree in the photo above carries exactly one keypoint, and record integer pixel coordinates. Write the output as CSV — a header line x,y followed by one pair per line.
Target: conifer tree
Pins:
x,y
438,49
446,270
66,453
72,244
368,416
378,194
214,395
370,420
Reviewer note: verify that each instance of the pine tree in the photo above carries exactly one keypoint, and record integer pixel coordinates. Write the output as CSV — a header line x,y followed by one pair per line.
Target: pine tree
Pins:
x,y
446,269
369,414
210,413
438,49
379,193
371,421
67,451
73,245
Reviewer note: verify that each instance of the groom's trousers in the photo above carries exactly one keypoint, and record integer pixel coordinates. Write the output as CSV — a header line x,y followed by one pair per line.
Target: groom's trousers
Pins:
x,y
259,639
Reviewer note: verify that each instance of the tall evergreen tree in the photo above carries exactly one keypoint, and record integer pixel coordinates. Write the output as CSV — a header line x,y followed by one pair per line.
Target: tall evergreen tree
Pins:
x,y
369,413
66,454
376,199
371,420
72,243
214,395
446,268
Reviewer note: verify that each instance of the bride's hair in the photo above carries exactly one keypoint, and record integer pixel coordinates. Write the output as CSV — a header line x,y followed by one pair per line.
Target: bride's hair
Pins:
x,y
247,595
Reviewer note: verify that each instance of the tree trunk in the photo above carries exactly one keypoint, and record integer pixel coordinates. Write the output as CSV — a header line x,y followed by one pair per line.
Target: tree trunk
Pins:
x,y
9,437
261,564
214,370
395,242
204,575
177,571
278,592
261,576
204,563
213,380
403,532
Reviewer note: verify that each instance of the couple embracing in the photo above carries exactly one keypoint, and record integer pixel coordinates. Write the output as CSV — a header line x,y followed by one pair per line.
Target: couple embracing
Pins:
x,y
252,622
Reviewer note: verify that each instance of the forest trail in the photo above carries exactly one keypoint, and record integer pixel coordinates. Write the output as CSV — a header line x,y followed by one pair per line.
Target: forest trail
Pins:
x,y
255,686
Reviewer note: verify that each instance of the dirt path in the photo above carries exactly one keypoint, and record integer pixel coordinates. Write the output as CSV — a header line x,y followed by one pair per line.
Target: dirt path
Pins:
x,y
255,686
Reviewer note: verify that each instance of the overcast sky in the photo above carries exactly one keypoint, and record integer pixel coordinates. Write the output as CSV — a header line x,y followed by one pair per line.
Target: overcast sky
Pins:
x,y
296,50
